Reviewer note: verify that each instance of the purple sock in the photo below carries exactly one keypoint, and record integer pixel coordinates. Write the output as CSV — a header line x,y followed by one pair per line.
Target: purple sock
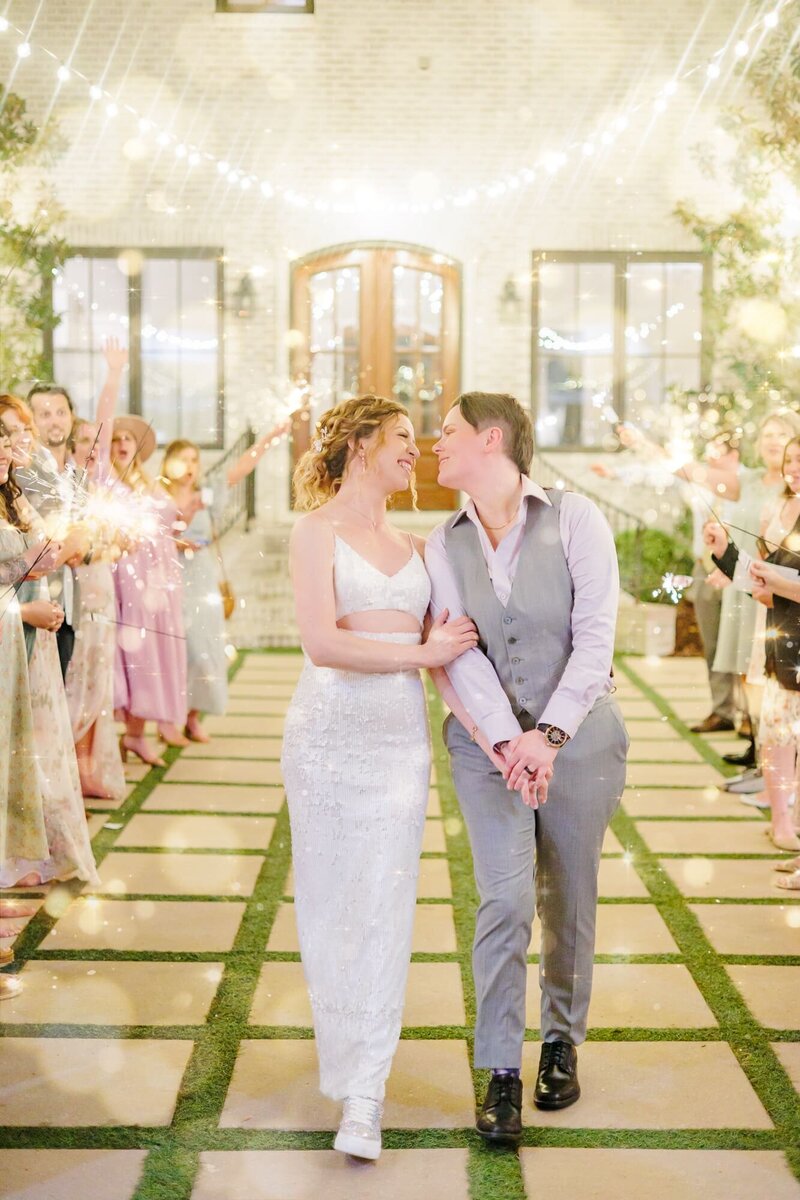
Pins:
x,y
506,1071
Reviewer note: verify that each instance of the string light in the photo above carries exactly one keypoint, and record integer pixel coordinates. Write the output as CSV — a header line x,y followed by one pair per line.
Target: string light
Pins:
x,y
549,163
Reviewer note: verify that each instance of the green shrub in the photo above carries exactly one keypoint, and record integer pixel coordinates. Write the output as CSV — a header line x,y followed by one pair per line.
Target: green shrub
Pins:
x,y
645,557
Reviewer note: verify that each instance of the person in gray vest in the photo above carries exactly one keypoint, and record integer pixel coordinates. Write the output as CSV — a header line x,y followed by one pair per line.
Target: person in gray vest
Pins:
x,y
536,570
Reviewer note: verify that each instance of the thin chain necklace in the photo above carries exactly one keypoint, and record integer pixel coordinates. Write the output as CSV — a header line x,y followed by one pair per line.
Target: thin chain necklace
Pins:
x,y
495,528
373,524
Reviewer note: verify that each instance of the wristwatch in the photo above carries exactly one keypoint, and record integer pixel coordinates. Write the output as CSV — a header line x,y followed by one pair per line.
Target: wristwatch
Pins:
x,y
554,736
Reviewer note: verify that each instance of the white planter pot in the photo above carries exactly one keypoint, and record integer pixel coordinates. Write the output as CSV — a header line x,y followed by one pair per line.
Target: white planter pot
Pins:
x,y
647,629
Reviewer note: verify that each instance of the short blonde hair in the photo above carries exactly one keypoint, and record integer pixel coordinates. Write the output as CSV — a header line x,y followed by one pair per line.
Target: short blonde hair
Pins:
x,y
319,473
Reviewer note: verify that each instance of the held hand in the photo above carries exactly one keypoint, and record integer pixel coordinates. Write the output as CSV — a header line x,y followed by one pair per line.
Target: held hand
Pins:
x,y
43,559
116,356
529,753
764,574
43,614
763,595
447,640
534,791
75,547
718,579
603,471
715,536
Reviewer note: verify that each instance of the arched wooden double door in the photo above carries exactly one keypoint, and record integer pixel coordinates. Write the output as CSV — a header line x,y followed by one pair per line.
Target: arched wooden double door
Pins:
x,y
383,319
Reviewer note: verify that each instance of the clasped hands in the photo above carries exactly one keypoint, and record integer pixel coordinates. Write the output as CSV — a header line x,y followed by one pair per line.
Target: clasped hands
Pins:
x,y
526,763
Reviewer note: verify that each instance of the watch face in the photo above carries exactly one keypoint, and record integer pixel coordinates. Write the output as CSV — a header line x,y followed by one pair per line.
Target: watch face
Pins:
x,y
555,736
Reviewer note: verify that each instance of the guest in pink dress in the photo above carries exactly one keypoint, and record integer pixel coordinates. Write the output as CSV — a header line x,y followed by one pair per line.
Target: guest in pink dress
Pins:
x,y
150,669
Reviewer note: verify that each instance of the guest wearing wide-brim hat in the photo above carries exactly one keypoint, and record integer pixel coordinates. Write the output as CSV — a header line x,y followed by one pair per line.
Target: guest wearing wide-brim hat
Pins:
x,y
142,433
150,667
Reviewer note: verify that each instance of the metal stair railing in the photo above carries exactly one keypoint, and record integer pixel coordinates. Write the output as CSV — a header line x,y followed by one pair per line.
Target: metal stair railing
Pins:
x,y
240,500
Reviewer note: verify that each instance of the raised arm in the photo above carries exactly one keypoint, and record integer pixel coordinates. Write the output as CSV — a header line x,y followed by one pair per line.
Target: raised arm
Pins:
x,y
252,456
311,566
116,357
718,480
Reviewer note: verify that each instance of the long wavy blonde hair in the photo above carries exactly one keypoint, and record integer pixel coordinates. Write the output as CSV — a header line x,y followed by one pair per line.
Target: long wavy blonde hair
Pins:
x,y
320,472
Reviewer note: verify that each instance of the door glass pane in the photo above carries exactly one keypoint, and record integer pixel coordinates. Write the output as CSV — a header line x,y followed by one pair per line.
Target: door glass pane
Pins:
x,y
418,308
334,335
662,336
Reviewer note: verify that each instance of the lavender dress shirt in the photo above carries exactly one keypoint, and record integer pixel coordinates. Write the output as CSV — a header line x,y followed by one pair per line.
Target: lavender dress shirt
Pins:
x,y
592,561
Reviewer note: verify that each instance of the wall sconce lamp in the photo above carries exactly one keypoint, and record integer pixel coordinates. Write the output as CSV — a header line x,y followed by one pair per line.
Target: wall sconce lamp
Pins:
x,y
244,297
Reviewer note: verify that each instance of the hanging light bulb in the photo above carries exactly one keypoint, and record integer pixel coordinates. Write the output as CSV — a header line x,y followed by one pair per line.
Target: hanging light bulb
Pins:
x,y
64,74
24,50
771,19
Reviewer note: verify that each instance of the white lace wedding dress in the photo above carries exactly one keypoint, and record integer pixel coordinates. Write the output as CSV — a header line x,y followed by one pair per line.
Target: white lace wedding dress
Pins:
x,y
356,767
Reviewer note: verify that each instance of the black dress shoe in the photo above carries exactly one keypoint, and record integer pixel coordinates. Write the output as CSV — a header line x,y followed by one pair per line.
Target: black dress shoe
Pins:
x,y
557,1082
748,759
713,724
500,1117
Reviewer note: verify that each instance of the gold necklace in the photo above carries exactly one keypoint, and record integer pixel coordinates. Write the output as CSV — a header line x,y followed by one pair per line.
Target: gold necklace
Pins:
x,y
494,528
374,524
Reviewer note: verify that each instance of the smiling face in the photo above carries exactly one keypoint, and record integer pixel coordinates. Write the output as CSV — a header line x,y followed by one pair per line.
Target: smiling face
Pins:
x,y
772,442
19,434
392,453
791,466
53,417
460,450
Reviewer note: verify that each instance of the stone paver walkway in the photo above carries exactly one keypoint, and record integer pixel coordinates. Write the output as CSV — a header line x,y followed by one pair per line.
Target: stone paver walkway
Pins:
x,y
161,1046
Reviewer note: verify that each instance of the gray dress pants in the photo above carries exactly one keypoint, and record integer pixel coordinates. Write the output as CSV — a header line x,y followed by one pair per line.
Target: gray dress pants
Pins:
x,y
545,860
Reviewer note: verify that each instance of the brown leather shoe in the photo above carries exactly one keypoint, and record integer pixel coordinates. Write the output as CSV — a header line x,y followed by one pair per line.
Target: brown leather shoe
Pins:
x,y
713,724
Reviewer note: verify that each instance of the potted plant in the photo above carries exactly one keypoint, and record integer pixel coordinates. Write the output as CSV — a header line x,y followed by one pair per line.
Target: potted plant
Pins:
x,y
653,566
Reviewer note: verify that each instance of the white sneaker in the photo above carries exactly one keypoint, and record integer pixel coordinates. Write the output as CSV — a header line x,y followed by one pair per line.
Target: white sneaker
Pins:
x,y
360,1130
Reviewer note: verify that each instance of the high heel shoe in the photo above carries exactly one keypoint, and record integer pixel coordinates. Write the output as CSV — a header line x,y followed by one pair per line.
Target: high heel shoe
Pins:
x,y
125,748
197,735
180,740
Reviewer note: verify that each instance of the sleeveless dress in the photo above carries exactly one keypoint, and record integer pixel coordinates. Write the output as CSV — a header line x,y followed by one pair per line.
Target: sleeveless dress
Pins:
x,y
356,768
150,664
204,621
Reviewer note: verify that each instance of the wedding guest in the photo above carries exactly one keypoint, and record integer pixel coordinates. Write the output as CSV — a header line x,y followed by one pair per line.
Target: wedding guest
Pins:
x,y
68,851
150,674
203,617
779,732
90,676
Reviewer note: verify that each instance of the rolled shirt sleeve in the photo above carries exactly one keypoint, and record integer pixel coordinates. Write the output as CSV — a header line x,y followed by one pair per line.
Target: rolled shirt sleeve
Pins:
x,y
472,675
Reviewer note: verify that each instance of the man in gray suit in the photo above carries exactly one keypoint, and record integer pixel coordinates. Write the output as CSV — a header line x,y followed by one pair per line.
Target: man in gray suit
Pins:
x,y
537,572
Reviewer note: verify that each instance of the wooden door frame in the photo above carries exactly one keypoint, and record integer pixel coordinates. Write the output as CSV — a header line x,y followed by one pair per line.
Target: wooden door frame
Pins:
x,y
375,261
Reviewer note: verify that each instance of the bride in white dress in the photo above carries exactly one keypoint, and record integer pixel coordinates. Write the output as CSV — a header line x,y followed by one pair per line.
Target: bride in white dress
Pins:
x,y
356,750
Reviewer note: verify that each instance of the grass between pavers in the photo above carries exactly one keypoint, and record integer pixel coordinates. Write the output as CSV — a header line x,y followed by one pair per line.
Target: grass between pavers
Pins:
x,y
174,1151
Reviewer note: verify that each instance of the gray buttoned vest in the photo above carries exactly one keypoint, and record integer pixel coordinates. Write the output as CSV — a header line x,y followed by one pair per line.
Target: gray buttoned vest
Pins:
x,y
530,640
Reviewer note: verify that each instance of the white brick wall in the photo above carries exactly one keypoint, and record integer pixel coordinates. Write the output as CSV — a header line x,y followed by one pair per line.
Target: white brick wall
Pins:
x,y
342,96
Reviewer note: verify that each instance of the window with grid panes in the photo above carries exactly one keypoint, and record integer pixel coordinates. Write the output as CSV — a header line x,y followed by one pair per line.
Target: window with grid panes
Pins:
x,y
166,307
613,334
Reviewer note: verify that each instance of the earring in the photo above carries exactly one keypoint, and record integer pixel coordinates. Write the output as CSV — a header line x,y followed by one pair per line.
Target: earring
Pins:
x,y
362,455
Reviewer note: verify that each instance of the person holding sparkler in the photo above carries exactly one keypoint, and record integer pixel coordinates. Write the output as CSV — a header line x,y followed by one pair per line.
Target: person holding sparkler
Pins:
x,y
150,675
203,617
90,676
49,768
779,731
